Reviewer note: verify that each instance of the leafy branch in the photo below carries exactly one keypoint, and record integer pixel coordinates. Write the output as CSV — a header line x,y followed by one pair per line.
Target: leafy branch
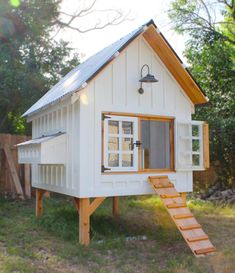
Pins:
x,y
189,16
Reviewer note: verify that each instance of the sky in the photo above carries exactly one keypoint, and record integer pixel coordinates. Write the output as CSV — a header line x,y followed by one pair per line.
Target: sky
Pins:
x,y
139,12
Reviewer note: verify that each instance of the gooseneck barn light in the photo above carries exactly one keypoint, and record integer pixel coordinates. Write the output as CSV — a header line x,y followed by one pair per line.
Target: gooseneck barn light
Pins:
x,y
147,79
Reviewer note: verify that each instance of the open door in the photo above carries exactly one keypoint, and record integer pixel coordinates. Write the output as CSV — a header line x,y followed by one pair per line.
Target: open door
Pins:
x,y
192,146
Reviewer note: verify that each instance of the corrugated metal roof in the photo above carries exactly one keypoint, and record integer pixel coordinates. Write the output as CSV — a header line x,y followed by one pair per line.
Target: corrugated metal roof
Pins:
x,y
39,140
78,76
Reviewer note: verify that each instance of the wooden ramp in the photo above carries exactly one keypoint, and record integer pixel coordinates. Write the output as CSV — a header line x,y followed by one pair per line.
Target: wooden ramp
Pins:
x,y
186,223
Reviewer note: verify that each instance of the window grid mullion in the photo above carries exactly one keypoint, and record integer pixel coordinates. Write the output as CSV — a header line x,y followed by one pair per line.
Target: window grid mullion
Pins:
x,y
127,135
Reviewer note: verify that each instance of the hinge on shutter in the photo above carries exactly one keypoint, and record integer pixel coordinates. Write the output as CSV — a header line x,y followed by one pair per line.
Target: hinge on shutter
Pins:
x,y
105,117
103,169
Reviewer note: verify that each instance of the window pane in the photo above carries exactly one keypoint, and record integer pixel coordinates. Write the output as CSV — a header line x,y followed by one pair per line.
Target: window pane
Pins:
x,y
113,144
196,160
127,160
155,147
127,127
195,130
127,143
113,127
196,145
113,160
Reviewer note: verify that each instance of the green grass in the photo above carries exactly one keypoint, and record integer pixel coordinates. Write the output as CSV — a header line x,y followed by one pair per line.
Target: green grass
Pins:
x,y
50,244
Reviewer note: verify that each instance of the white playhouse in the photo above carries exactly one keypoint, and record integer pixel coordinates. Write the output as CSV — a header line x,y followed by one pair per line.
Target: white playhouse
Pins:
x,y
121,124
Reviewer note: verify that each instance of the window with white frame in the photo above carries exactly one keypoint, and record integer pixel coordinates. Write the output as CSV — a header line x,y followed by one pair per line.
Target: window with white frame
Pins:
x,y
190,146
145,144
120,135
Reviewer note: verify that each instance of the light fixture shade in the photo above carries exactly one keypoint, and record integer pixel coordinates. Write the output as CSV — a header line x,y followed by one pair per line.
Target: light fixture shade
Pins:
x,y
148,78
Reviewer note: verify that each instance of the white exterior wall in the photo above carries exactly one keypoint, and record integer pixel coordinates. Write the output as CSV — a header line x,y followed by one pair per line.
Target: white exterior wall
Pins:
x,y
63,117
115,90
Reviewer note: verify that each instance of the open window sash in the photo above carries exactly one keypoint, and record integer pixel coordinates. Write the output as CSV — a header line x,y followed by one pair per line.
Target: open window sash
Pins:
x,y
192,146
120,152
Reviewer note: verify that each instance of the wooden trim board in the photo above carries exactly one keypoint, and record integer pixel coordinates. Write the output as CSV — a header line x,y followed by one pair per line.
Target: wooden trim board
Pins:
x,y
206,151
170,60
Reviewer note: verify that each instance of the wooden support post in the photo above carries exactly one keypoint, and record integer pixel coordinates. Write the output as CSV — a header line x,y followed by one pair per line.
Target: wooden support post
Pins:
x,y
95,204
27,182
85,210
115,206
84,221
184,196
39,202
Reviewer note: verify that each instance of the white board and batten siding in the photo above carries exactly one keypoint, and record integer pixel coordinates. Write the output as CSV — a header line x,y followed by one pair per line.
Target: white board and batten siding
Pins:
x,y
115,90
62,117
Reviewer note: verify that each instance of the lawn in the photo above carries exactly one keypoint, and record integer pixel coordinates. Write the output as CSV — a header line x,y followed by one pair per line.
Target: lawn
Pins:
x,y
142,240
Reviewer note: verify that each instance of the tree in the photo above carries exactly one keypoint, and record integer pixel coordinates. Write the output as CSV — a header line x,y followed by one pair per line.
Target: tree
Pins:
x,y
106,17
31,61
210,52
201,17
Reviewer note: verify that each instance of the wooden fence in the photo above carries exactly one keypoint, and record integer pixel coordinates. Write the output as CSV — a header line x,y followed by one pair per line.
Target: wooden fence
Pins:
x,y
14,178
204,179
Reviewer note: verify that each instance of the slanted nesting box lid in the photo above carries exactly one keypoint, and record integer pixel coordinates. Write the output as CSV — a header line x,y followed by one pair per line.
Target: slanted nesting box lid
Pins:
x,y
39,140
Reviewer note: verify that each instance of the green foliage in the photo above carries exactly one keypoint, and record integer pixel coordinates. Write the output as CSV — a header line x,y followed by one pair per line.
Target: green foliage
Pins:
x,y
210,54
198,19
17,122
15,3
50,244
30,60
212,66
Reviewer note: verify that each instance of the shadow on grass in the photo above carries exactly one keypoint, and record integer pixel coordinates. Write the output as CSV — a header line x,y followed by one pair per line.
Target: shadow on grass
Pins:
x,y
63,221
56,233
145,218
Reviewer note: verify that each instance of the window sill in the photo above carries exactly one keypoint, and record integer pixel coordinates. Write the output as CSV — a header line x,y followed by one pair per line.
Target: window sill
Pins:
x,y
141,172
